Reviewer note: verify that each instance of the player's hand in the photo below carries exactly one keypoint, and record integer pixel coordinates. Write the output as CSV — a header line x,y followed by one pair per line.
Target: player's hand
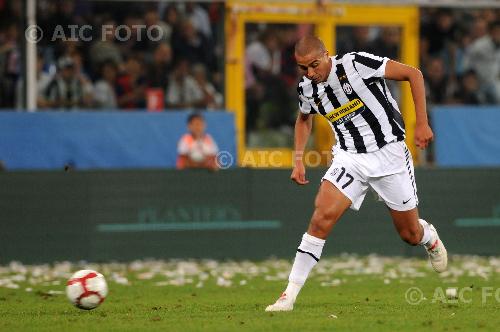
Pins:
x,y
423,135
299,173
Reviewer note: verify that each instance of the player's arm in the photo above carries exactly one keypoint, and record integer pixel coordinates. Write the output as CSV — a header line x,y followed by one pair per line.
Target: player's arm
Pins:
x,y
401,72
303,127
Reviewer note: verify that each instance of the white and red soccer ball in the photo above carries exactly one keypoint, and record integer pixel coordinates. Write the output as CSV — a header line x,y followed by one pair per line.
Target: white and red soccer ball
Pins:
x,y
86,289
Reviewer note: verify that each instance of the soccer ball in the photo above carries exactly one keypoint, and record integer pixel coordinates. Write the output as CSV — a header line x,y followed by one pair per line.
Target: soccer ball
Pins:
x,y
86,289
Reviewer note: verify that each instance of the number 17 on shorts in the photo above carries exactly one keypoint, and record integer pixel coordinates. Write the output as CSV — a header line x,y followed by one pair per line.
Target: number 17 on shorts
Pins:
x,y
348,181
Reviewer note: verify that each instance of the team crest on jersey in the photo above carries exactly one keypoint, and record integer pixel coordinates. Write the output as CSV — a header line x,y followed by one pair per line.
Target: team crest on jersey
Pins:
x,y
347,88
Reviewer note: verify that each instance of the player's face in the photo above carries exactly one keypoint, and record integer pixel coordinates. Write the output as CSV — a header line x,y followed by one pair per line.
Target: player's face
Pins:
x,y
315,66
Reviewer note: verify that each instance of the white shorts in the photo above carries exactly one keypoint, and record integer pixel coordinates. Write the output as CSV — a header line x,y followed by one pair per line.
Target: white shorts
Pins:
x,y
388,171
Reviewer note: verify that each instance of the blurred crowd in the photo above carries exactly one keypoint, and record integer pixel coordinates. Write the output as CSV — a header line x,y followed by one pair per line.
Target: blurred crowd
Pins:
x,y
460,55
179,63
270,82
108,55
459,52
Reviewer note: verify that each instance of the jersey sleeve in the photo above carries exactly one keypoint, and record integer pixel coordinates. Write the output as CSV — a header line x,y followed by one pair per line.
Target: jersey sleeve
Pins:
x,y
304,104
369,65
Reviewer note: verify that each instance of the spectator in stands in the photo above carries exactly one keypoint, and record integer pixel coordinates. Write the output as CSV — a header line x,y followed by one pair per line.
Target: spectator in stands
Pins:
x,y
440,32
199,18
263,72
77,58
159,29
469,92
172,17
388,42
490,15
131,85
192,45
11,10
262,58
105,87
211,98
159,68
43,79
436,81
288,70
130,40
358,41
10,65
479,29
182,90
262,65
105,49
197,149
68,89
483,56
461,45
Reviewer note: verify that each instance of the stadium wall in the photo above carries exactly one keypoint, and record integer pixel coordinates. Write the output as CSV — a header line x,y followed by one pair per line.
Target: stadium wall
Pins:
x,y
102,140
238,213
466,136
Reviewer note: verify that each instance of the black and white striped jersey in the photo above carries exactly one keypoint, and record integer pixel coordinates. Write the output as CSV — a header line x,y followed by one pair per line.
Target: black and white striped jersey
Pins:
x,y
356,102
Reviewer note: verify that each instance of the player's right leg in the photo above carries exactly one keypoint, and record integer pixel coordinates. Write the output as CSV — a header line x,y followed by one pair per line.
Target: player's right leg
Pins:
x,y
330,204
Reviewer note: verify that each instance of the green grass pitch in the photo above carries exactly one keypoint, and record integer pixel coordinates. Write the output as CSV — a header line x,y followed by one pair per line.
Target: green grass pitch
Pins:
x,y
344,293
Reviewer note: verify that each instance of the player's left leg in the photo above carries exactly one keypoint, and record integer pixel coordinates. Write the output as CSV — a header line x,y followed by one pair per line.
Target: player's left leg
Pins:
x,y
414,231
399,192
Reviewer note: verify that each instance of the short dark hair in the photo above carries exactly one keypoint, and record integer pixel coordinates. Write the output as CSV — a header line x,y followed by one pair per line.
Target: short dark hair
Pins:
x,y
309,44
194,116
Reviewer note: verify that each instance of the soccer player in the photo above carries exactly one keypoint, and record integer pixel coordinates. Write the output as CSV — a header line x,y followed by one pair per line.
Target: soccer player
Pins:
x,y
351,93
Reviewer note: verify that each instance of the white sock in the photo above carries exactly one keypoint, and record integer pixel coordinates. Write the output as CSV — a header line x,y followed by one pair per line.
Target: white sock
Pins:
x,y
292,290
426,240
308,254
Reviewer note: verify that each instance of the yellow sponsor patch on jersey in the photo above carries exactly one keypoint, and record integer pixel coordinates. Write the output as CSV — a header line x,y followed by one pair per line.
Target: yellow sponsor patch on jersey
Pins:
x,y
344,110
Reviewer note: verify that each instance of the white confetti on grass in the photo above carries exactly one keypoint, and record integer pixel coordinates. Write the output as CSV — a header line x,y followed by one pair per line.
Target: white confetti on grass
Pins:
x,y
329,272
119,279
222,282
332,283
